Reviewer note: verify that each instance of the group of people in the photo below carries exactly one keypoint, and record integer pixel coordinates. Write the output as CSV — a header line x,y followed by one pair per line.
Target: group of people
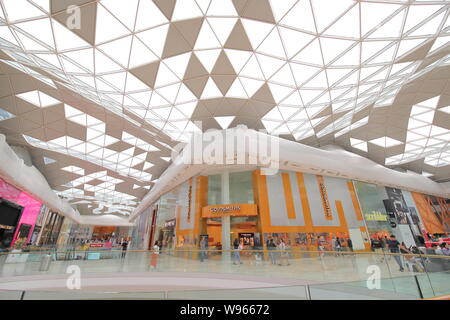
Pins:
x,y
278,252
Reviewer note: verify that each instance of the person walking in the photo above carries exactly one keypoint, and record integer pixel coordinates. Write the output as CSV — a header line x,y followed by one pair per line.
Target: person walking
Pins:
x,y
237,246
283,253
272,254
203,248
124,248
394,247
155,255
350,244
338,246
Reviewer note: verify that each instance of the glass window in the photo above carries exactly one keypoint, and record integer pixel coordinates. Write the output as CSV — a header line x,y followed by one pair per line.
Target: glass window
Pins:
x,y
214,190
241,187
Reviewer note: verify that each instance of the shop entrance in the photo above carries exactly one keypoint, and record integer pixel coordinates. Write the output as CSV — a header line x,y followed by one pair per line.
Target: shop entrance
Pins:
x,y
242,228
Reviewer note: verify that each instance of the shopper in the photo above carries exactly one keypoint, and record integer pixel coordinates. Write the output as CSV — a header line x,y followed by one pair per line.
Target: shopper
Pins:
x,y
237,246
438,250
350,244
445,249
155,255
283,253
377,247
203,248
337,246
271,247
394,247
124,248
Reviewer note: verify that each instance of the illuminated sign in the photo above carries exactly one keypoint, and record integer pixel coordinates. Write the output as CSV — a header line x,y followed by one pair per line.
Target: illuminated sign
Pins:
x,y
324,196
242,209
189,200
376,216
225,209
170,223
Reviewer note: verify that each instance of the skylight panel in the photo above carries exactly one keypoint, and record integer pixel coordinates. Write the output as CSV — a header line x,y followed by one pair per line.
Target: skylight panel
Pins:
x,y
416,14
37,98
165,76
256,31
272,45
208,58
84,58
185,95
74,169
372,14
236,90
300,17
385,142
186,9
108,27
118,50
125,11
310,54
251,85
222,27
294,40
66,39
332,48
21,9
347,26
40,29
134,84
5,115
237,58
211,90
178,64
149,16
155,38
46,100
104,64
252,69
326,12
221,8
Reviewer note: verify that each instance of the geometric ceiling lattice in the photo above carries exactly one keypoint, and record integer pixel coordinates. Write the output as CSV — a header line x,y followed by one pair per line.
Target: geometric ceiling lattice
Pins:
x,y
424,139
310,70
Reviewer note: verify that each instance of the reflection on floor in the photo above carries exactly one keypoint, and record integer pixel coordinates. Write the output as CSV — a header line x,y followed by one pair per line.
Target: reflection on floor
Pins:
x,y
318,272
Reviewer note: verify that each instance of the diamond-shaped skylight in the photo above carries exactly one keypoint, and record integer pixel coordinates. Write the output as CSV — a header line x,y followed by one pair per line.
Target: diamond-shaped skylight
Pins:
x,y
386,142
38,98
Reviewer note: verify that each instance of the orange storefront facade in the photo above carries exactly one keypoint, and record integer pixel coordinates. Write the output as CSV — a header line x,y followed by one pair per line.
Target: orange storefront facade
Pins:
x,y
305,210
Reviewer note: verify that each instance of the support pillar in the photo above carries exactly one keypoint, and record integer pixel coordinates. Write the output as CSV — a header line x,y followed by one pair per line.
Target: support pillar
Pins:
x,y
226,220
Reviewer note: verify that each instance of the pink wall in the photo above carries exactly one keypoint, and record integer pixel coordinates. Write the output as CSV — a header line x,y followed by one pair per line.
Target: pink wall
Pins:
x,y
31,206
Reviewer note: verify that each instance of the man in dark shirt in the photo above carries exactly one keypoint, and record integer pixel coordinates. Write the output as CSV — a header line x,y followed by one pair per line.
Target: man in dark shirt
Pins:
x,y
124,248
394,247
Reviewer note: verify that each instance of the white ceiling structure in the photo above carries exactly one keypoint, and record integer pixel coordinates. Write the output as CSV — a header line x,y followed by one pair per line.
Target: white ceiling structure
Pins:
x,y
101,103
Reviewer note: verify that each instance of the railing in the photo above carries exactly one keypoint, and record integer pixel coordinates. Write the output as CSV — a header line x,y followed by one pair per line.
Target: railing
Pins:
x,y
348,274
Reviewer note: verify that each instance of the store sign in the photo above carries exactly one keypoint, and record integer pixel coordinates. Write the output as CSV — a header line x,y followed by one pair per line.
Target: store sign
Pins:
x,y
324,196
376,216
96,245
244,209
170,223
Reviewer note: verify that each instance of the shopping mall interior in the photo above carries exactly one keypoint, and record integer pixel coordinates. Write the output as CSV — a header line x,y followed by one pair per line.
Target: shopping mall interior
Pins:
x,y
224,149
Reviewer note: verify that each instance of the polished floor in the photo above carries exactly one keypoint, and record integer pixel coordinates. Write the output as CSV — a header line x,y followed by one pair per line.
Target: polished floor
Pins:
x,y
185,272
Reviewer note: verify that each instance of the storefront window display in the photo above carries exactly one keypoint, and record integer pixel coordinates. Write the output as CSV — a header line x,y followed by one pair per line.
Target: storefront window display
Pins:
x,y
308,241
371,200
140,233
31,209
